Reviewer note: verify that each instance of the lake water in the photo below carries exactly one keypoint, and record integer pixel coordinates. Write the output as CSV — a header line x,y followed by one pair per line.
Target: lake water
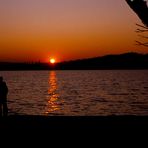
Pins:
x,y
77,93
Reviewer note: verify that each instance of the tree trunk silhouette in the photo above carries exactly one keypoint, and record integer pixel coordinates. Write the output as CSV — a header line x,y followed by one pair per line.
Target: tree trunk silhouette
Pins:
x,y
140,8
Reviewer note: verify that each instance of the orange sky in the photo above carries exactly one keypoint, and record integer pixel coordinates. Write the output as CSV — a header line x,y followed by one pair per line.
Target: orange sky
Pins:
x,y
35,30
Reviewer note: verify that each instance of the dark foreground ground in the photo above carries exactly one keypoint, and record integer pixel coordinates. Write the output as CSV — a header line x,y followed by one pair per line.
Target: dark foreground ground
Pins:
x,y
74,122
40,129
94,132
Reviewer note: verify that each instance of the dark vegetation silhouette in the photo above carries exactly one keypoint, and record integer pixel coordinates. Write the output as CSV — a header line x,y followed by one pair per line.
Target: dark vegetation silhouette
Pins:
x,y
141,9
24,66
121,61
3,98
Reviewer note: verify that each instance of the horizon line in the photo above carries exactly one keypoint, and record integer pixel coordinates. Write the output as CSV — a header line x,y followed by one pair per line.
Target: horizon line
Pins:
x,y
39,61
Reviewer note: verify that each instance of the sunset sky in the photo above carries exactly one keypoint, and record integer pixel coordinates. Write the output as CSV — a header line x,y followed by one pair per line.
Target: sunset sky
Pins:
x,y
36,30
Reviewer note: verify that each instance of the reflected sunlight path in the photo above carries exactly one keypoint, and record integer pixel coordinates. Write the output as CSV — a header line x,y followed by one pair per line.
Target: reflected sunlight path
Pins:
x,y
53,96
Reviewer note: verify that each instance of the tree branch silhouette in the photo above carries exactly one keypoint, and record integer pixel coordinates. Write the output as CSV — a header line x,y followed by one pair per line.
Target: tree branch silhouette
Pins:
x,y
141,9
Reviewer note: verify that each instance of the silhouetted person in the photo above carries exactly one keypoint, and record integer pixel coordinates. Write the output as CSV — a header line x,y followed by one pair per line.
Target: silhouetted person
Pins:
x,y
3,98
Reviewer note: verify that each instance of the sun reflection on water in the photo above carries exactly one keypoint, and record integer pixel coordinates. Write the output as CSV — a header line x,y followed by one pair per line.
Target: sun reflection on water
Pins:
x,y
53,96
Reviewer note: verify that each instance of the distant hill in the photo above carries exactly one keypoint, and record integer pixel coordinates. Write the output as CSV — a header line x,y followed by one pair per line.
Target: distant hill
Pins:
x,y
122,61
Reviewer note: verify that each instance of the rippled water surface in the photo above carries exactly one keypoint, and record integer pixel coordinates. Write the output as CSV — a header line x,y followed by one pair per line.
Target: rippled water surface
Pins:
x,y
77,93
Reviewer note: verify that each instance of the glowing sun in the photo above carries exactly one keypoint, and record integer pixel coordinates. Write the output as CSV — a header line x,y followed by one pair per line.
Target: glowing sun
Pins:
x,y
52,61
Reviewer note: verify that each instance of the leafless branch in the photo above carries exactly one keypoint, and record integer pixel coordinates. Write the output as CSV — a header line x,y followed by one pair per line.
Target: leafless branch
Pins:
x,y
145,27
145,37
141,31
141,44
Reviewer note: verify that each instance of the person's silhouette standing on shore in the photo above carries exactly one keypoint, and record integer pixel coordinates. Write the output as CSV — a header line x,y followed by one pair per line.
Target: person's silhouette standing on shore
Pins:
x,y
3,98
